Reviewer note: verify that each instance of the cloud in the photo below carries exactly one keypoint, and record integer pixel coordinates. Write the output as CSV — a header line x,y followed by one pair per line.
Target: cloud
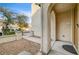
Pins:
x,y
27,13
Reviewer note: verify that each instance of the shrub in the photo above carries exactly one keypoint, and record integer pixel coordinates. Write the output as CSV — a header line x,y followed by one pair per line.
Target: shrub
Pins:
x,y
8,31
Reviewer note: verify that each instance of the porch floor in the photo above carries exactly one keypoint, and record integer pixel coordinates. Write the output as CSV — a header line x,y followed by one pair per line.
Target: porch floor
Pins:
x,y
57,48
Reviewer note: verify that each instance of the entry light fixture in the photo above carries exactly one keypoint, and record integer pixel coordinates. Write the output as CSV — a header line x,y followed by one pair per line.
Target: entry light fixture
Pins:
x,y
78,25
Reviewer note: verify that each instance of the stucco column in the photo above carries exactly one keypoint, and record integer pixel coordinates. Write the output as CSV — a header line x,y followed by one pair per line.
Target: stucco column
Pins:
x,y
46,36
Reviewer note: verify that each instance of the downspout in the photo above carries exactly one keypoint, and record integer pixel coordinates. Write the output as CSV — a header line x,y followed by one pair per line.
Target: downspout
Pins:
x,y
42,27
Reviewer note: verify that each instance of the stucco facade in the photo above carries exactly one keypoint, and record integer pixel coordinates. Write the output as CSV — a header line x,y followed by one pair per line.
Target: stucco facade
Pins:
x,y
36,20
56,22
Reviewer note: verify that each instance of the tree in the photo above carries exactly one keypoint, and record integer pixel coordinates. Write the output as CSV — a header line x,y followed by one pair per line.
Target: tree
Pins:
x,y
21,19
8,14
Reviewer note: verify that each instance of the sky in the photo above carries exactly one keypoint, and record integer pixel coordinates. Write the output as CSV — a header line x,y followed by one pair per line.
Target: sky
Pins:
x,y
22,8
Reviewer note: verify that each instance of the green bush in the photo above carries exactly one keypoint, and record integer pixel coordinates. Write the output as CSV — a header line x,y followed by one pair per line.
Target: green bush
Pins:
x,y
8,31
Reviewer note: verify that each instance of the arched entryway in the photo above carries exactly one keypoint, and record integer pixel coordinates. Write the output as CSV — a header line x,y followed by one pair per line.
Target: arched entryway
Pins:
x,y
62,28
61,23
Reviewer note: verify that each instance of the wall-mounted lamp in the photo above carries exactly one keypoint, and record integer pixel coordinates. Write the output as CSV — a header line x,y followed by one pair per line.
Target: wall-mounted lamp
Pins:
x,y
78,25
38,4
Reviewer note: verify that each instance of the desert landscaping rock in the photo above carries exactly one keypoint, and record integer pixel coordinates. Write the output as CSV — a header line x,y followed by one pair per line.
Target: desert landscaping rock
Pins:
x,y
15,47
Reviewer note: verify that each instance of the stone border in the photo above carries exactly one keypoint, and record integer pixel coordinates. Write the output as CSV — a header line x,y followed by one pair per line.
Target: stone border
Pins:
x,y
8,38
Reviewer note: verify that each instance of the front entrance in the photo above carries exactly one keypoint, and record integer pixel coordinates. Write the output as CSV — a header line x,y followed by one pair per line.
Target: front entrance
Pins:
x,y
60,28
64,26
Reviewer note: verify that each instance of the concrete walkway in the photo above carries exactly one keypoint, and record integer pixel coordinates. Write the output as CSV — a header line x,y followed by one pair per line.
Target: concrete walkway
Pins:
x,y
57,48
33,39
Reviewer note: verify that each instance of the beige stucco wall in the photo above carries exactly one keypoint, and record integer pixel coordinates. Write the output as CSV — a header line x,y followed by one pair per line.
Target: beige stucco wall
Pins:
x,y
64,26
36,25
36,20
34,9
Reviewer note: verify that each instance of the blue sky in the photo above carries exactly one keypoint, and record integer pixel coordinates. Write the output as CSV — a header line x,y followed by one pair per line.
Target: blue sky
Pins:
x,y
24,8
16,7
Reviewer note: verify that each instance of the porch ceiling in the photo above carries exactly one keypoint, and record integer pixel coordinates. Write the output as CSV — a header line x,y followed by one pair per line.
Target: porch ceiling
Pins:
x,y
62,7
